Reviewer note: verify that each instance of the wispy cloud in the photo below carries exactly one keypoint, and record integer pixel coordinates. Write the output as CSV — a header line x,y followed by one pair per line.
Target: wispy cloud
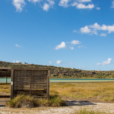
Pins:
x,y
64,3
74,30
58,61
112,4
34,1
47,6
84,0
17,45
82,66
19,4
71,63
16,61
103,34
98,8
71,48
82,47
109,61
75,42
50,62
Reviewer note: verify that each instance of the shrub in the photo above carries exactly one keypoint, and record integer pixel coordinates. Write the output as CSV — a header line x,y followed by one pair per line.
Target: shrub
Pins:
x,y
27,101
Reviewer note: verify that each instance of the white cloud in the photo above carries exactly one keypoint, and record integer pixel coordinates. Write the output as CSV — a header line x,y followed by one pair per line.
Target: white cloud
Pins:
x,y
98,63
74,30
109,61
50,62
19,4
85,29
51,2
71,63
83,6
16,61
81,66
98,8
46,6
34,1
80,46
80,4
58,61
75,42
62,45
17,45
84,0
96,27
63,3
102,34
112,4
71,48
74,4
103,27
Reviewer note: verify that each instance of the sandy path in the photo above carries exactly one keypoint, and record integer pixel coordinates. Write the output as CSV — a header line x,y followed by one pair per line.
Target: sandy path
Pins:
x,y
73,106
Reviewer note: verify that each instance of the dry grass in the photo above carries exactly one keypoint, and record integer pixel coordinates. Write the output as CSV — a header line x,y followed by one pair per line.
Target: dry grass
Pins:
x,y
101,91
5,89
27,101
85,111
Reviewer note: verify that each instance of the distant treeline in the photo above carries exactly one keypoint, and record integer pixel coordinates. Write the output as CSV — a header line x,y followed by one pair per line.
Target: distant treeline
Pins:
x,y
61,72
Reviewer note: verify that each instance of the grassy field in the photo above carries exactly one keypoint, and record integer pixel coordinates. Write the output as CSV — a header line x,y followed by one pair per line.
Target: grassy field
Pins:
x,y
99,91
5,89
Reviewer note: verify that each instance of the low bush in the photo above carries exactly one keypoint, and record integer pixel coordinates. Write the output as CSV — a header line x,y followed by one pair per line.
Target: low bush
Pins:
x,y
27,101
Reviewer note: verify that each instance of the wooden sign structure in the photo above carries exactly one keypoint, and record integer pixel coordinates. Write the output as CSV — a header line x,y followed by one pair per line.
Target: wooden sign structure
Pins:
x,y
32,81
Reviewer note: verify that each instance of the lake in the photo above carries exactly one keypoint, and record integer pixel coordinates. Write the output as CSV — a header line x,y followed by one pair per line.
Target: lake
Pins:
x,y
3,80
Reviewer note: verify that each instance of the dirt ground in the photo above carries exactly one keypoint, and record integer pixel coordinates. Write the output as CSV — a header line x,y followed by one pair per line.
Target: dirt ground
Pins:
x,y
72,106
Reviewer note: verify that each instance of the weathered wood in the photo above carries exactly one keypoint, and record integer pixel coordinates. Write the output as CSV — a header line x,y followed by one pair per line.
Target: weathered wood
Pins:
x,y
48,87
28,80
12,83
34,81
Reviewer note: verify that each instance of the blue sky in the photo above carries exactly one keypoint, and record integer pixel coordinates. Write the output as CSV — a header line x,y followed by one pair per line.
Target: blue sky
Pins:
x,y
67,33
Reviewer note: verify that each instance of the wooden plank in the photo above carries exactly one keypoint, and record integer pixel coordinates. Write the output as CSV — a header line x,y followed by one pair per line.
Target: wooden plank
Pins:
x,y
4,96
5,68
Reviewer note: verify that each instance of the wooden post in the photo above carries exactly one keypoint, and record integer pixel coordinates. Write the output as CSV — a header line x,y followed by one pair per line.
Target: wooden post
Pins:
x,y
48,83
6,79
30,80
12,72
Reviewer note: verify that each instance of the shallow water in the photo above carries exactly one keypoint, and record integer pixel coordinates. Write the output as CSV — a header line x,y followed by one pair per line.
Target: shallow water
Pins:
x,y
3,80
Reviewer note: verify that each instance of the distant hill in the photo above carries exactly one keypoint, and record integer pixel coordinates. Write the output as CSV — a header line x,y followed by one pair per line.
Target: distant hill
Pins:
x,y
61,72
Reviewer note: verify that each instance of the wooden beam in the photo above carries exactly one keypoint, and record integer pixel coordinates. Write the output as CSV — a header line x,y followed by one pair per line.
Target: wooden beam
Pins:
x,y
24,68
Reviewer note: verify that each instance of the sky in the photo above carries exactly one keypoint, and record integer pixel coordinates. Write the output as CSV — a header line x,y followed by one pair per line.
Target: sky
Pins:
x,y
68,33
